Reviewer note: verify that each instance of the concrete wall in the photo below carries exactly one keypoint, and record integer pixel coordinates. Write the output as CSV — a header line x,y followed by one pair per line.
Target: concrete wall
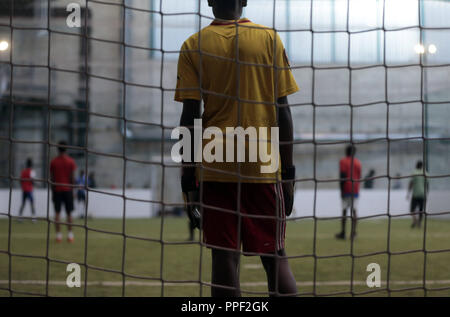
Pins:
x,y
328,204
316,112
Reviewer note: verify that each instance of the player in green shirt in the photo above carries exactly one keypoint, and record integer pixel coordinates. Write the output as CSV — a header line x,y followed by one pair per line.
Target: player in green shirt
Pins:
x,y
418,186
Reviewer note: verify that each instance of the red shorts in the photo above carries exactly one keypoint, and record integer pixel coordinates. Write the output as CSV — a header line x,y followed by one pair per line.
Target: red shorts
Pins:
x,y
256,234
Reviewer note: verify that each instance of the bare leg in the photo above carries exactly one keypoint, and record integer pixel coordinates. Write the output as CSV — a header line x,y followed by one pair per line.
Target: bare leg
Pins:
x,y
21,208
413,214
419,222
33,210
57,224
225,272
69,221
280,279
341,235
344,221
354,222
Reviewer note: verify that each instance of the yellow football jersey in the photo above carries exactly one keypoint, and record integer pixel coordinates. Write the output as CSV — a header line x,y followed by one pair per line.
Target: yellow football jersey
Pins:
x,y
238,69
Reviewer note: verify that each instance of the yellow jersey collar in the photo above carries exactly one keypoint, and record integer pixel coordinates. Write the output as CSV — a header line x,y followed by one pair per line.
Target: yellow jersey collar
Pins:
x,y
230,22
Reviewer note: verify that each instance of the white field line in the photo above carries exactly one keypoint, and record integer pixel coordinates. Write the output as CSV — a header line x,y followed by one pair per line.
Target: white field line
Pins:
x,y
247,284
177,237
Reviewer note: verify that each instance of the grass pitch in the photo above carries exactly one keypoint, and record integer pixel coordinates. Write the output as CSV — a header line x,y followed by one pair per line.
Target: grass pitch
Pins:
x,y
149,262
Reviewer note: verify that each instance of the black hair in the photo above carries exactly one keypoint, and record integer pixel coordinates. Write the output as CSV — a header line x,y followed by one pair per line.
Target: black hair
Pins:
x,y
62,146
419,164
228,5
29,163
350,150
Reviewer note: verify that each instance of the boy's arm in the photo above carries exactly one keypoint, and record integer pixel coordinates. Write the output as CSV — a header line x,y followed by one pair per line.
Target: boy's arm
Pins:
x,y
32,176
410,187
191,111
286,132
52,179
342,177
286,152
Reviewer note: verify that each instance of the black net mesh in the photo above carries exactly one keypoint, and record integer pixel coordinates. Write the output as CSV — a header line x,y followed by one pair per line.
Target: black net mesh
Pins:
x,y
339,90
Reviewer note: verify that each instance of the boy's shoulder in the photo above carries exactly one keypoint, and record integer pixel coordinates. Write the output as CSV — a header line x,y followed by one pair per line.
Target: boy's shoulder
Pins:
x,y
193,40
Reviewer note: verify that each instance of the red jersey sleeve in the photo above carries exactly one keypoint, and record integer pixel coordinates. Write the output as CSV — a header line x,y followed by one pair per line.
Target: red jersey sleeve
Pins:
x,y
342,167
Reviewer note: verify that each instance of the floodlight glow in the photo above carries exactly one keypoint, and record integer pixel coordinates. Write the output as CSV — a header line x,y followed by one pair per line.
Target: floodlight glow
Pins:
x,y
432,49
4,46
419,49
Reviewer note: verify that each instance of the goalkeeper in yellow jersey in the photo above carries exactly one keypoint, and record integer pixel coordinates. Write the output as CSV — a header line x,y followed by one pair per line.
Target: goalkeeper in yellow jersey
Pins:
x,y
241,72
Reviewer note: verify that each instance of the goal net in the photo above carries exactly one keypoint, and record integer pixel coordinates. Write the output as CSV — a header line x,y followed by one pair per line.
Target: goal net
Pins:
x,y
101,75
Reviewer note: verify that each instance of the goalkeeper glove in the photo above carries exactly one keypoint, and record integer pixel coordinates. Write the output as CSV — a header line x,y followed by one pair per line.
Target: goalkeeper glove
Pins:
x,y
191,195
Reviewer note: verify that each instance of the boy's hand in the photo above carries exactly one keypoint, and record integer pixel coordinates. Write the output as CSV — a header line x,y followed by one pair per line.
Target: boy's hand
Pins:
x,y
288,193
191,195
288,176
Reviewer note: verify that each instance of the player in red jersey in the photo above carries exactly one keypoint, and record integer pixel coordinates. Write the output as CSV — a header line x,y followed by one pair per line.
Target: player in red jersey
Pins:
x,y
26,182
62,169
350,175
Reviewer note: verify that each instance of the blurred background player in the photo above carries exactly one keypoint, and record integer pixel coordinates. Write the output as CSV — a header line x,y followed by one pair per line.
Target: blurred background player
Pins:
x,y
91,180
369,181
81,182
397,182
418,186
350,174
26,182
62,169
260,193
